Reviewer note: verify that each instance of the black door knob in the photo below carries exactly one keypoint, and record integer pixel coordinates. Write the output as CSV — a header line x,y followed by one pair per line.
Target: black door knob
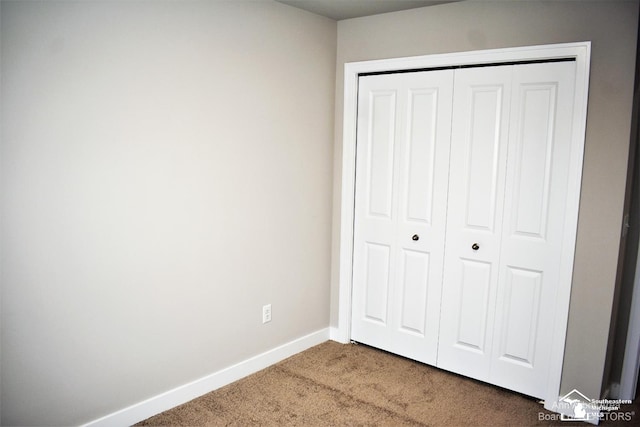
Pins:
x,y
415,237
475,247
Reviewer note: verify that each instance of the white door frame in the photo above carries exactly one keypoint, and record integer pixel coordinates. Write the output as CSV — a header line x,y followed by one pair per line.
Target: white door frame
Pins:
x,y
581,52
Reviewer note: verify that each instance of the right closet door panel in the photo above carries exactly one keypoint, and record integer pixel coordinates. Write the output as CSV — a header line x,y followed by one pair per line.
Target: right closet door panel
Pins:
x,y
533,224
508,181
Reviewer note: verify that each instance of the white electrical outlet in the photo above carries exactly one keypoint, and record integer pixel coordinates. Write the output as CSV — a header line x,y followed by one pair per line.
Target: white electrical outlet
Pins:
x,y
266,313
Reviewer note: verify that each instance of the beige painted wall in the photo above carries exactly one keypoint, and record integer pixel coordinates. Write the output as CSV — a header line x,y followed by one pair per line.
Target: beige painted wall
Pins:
x,y
166,171
611,26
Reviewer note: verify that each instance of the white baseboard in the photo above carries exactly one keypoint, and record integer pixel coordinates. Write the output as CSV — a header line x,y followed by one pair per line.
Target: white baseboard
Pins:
x,y
179,395
335,334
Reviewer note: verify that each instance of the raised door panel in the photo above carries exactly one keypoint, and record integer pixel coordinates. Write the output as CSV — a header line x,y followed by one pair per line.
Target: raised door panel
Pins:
x,y
483,107
521,312
533,227
476,191
414,281
473,305
533,155
380,147
376,282
420,159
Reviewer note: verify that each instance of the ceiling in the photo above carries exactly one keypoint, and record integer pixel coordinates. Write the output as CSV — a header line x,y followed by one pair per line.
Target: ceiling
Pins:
x,y
345,9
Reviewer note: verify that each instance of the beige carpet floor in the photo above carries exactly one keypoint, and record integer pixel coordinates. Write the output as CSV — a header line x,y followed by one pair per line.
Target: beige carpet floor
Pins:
x,y
355,385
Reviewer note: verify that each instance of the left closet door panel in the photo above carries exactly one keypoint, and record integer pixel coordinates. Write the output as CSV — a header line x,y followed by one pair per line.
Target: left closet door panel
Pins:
x,y
402,162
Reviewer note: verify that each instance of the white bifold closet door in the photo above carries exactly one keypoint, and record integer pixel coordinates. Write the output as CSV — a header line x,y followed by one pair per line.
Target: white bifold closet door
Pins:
x,y
404,123
471,163
507,198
